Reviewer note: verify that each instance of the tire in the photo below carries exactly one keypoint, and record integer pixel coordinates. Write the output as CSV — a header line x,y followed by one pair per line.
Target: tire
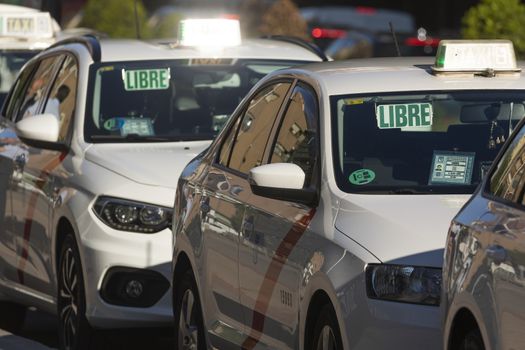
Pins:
x,y
12,316
74,331
326,334
472,341
189,326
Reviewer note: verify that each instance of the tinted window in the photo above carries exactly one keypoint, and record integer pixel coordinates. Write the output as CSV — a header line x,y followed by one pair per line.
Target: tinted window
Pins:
x,y
297,140
256,126
11,61
37,88
226,147
61,102
420,142
508,179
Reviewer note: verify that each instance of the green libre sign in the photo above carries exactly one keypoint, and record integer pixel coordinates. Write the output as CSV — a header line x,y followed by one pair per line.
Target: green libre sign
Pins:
x,y
404,115
146,79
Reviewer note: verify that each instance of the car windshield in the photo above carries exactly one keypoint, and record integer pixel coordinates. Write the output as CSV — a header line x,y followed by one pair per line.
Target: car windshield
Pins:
x,y
175,100
11,61
424,142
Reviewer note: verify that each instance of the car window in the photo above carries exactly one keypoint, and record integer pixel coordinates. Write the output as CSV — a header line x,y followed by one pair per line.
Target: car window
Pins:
x,y
37,87
297,140
508,179
15,99
168,100
256,126
61,101
11,61
420,142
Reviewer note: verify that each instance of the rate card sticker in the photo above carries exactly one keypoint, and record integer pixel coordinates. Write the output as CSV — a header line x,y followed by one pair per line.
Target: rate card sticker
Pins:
x,y
146,79
454,168
408,115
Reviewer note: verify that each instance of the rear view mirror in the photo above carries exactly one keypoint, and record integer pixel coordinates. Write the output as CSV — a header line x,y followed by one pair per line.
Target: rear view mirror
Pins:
x,y
282,181
40,131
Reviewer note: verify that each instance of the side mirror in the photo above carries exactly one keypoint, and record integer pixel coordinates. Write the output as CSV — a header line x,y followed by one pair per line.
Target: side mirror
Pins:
x,y
40,131
282,181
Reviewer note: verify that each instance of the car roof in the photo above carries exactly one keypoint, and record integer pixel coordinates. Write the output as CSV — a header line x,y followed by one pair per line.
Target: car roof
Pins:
x,y
395,74
114,50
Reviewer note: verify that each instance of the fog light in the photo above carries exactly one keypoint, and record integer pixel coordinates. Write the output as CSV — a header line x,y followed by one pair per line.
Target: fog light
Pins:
x,y
134,289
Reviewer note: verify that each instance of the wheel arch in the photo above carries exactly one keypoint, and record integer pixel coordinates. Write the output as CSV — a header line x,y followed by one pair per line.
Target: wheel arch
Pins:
x,y
463,321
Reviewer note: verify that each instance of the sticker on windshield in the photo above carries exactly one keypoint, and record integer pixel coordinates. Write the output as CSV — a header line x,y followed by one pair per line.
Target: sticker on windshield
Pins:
x,y
353,101
146,79
409,115
137,126
114,124
362,177
454,168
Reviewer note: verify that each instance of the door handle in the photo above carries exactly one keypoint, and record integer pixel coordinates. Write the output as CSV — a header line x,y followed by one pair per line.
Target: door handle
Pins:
x,y
497,253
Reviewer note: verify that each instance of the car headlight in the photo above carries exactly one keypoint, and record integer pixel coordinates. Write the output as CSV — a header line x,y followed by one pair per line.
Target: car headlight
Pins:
x,y
409,284
132,216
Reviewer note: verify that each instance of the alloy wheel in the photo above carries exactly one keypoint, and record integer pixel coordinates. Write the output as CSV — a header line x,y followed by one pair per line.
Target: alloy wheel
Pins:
x,y
188,328
68,295
327,339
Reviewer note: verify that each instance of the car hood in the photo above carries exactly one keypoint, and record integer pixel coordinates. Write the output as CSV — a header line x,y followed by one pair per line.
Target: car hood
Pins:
x,y
149,164
400,229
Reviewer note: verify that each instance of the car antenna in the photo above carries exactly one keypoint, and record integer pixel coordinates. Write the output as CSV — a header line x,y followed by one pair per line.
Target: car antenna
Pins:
x,y
137,27
395,38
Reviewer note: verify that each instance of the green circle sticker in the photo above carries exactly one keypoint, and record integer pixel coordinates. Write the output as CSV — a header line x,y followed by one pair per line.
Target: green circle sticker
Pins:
x,y
362,177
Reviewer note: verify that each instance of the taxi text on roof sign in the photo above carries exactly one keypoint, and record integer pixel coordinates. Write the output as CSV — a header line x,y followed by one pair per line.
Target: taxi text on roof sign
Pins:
x,y
216,32
475,55
22,25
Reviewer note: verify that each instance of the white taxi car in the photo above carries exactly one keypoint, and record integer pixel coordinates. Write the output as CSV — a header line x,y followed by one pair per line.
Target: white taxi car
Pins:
x,y
317,218
94,136
24,32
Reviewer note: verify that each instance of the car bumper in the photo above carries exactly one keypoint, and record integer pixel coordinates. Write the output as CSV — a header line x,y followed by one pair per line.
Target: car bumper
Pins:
x,y
102,251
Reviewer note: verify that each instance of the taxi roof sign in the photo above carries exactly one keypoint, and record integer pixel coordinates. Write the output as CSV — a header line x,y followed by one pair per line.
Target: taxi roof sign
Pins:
x,y
216,32
475,56
26,25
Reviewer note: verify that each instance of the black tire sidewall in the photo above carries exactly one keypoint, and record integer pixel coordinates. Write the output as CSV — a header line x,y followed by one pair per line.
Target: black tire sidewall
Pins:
x,y
473,337
187,282
84,330
326,318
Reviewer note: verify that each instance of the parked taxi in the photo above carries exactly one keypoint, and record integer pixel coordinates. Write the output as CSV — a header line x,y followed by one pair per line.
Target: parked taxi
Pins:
x,y
317,218
94,135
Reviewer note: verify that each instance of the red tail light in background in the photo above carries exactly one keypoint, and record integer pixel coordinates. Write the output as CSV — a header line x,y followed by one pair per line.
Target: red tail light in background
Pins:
x,y
322,33
413,41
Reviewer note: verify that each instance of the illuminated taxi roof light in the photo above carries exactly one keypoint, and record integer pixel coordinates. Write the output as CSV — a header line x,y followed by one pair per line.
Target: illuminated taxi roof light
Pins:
x,y
475,56
217,32
26,25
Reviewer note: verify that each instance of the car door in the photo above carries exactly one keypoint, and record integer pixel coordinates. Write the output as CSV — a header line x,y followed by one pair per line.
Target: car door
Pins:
x,y
223,201
43,177
10,149
271,259
506,248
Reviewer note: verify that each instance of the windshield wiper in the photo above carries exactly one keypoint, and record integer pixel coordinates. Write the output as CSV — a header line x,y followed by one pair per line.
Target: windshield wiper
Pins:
x,y
130,137
407,191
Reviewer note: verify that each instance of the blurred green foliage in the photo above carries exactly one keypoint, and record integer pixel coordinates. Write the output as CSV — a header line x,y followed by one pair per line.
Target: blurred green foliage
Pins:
x,y
116,18
167,27
496,19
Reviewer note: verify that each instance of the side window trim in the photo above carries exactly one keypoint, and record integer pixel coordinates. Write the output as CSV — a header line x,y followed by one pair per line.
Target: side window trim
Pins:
x,y
241,116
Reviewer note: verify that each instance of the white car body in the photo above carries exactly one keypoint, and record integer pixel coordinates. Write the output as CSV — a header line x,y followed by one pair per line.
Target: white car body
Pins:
x,y
51,189
339,237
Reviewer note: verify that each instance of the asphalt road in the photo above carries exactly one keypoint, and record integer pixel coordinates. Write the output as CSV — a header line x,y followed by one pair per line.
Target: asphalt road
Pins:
x,y
40,333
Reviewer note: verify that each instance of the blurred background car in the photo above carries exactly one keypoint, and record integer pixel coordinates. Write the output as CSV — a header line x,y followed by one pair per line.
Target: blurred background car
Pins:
x,y
24,32
356,32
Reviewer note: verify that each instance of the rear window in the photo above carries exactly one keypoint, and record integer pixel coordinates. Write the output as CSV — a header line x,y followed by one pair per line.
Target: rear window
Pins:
x,y
424,142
